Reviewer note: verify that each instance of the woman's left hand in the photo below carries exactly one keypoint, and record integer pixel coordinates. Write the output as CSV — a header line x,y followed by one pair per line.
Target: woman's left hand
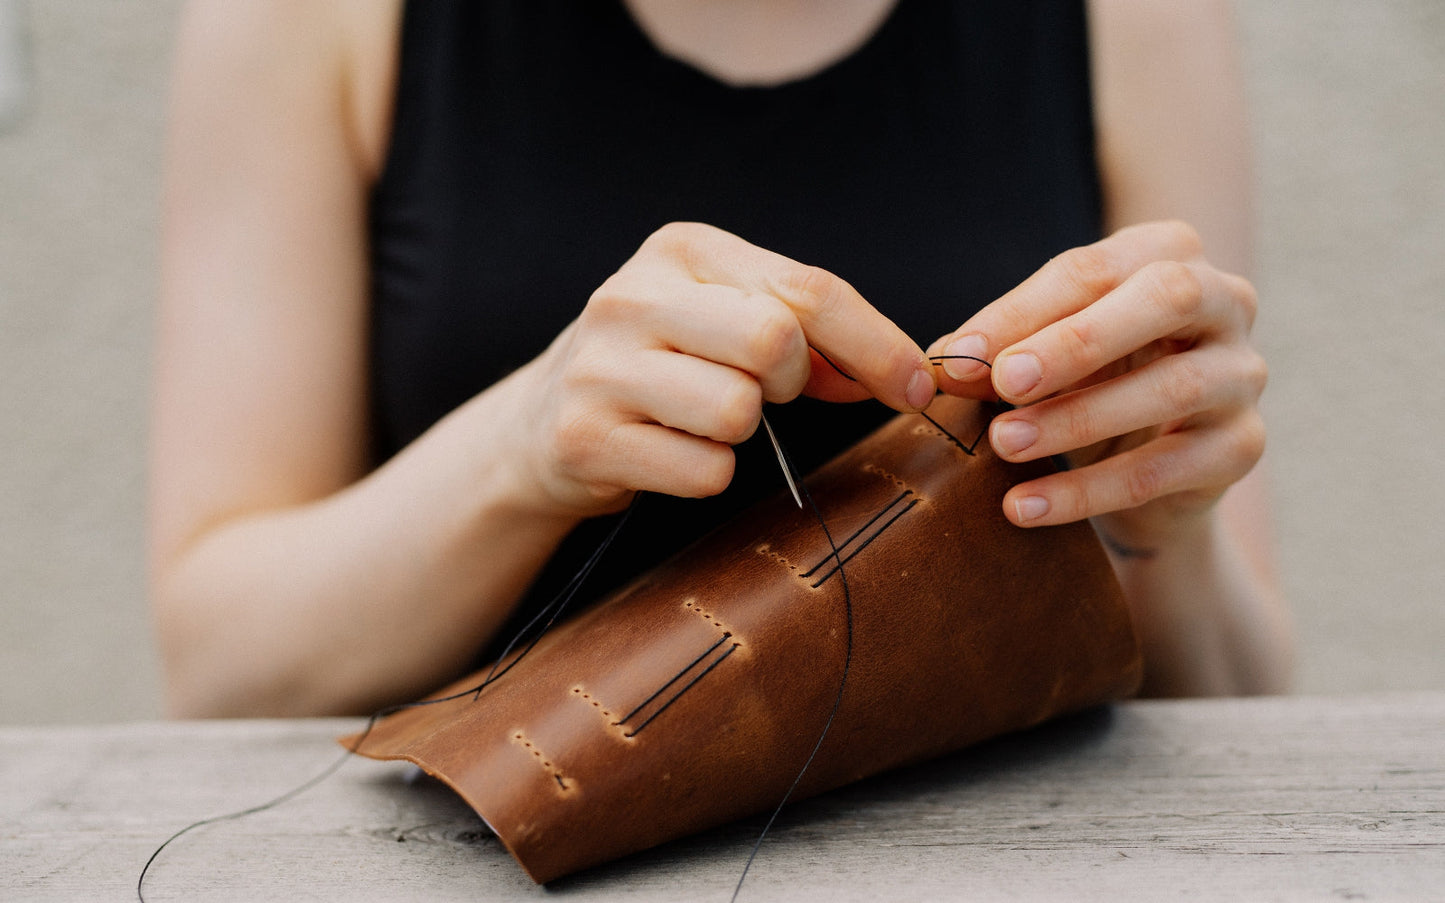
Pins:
x,y
1132,357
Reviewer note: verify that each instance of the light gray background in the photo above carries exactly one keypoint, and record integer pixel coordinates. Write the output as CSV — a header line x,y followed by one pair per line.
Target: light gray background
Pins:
x,y
1349,110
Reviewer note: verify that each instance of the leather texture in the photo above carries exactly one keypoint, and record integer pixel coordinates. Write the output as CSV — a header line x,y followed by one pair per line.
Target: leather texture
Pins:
x,y
694,696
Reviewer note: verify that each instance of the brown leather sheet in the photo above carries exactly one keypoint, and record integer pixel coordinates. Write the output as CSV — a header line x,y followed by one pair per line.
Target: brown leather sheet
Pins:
x,y
694,696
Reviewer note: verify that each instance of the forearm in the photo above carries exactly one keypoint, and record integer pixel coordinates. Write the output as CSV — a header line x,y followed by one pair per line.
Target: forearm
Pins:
x,y
373,594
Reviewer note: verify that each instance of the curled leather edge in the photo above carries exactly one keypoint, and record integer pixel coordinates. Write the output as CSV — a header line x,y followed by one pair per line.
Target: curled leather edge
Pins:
x,y
693,696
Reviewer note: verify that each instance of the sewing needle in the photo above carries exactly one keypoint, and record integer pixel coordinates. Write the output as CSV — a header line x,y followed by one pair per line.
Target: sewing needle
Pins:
x,y
783,462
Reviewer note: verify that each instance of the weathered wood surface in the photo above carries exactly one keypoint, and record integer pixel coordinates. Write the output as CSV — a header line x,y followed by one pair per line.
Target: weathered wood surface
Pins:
x,y
1242,800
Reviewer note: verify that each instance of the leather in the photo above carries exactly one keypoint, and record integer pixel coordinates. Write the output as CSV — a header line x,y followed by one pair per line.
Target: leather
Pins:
x,y
695,695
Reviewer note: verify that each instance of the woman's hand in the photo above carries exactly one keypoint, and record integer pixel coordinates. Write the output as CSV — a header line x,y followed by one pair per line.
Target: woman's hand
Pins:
x,y
1132,357
669,365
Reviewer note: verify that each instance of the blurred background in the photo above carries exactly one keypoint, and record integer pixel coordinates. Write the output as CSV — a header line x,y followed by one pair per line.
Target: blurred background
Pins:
x,y
1349,113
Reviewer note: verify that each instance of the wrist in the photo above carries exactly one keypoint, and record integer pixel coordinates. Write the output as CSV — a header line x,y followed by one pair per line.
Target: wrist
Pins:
x,y
1159,530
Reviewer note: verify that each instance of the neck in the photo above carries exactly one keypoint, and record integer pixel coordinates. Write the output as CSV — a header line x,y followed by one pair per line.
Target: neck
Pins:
x,y
759,42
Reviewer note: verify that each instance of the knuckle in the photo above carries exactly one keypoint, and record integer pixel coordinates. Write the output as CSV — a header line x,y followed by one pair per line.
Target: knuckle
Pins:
x,y
1181,236
1092,268
1249,440
713,474
739,409
673,238
578,436
1146,481
1071,500
1256,372
811,290
1246,298
682,244
1177,287
1080,425
1183,386
609,292
775,337
1081,340
614,301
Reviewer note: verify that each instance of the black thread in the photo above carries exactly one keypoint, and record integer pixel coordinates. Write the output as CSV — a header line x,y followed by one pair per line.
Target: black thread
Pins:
x,y
967,449
938,359
839,566
842,679
690,684
660,690
829,361
859,532
295,791
935,359
558,603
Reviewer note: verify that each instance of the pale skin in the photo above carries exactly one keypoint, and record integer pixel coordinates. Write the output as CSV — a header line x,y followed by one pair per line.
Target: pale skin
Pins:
x,y
287,579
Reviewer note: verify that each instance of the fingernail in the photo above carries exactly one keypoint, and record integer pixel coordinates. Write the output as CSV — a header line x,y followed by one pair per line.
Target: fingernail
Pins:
x,y
1017,374
958,352
1013,436
921,388
1031,507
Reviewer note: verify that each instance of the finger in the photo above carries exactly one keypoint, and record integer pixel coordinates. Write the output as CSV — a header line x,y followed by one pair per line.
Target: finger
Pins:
x,y
1192,466
748,331
968,359
1171,389
834,317
1163,300
829,382
856,337
655,458
1065,285
692,395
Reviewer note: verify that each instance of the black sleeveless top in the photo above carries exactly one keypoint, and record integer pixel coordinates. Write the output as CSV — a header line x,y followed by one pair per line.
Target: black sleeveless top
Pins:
x,y
536,143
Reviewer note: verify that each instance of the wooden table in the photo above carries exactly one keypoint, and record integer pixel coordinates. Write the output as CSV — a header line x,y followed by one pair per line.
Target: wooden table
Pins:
x,y
1271,799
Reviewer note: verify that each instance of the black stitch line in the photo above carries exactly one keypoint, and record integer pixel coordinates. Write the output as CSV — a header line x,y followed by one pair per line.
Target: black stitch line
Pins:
x,y
979,438
824,579
967,449
659,691
717,661
860,531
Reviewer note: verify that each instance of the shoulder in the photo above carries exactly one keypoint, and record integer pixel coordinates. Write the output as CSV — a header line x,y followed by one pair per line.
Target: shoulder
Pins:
x,y
1169,106
284,60
1150,53
1147,25
1148,56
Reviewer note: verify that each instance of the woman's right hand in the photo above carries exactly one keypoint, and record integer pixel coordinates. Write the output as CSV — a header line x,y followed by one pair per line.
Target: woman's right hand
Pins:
x,y
668,366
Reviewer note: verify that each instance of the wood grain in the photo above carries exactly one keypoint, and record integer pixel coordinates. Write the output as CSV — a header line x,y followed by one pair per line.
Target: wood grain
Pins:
x,y
1305,798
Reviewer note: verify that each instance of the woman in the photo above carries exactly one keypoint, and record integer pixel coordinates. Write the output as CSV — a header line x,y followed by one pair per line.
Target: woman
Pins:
x,y
364,456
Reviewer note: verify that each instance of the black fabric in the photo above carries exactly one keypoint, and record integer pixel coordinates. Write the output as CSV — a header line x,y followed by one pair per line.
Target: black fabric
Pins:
x,y
536,143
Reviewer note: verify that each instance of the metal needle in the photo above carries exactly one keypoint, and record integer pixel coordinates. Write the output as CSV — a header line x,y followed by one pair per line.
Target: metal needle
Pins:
x,y
783,462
